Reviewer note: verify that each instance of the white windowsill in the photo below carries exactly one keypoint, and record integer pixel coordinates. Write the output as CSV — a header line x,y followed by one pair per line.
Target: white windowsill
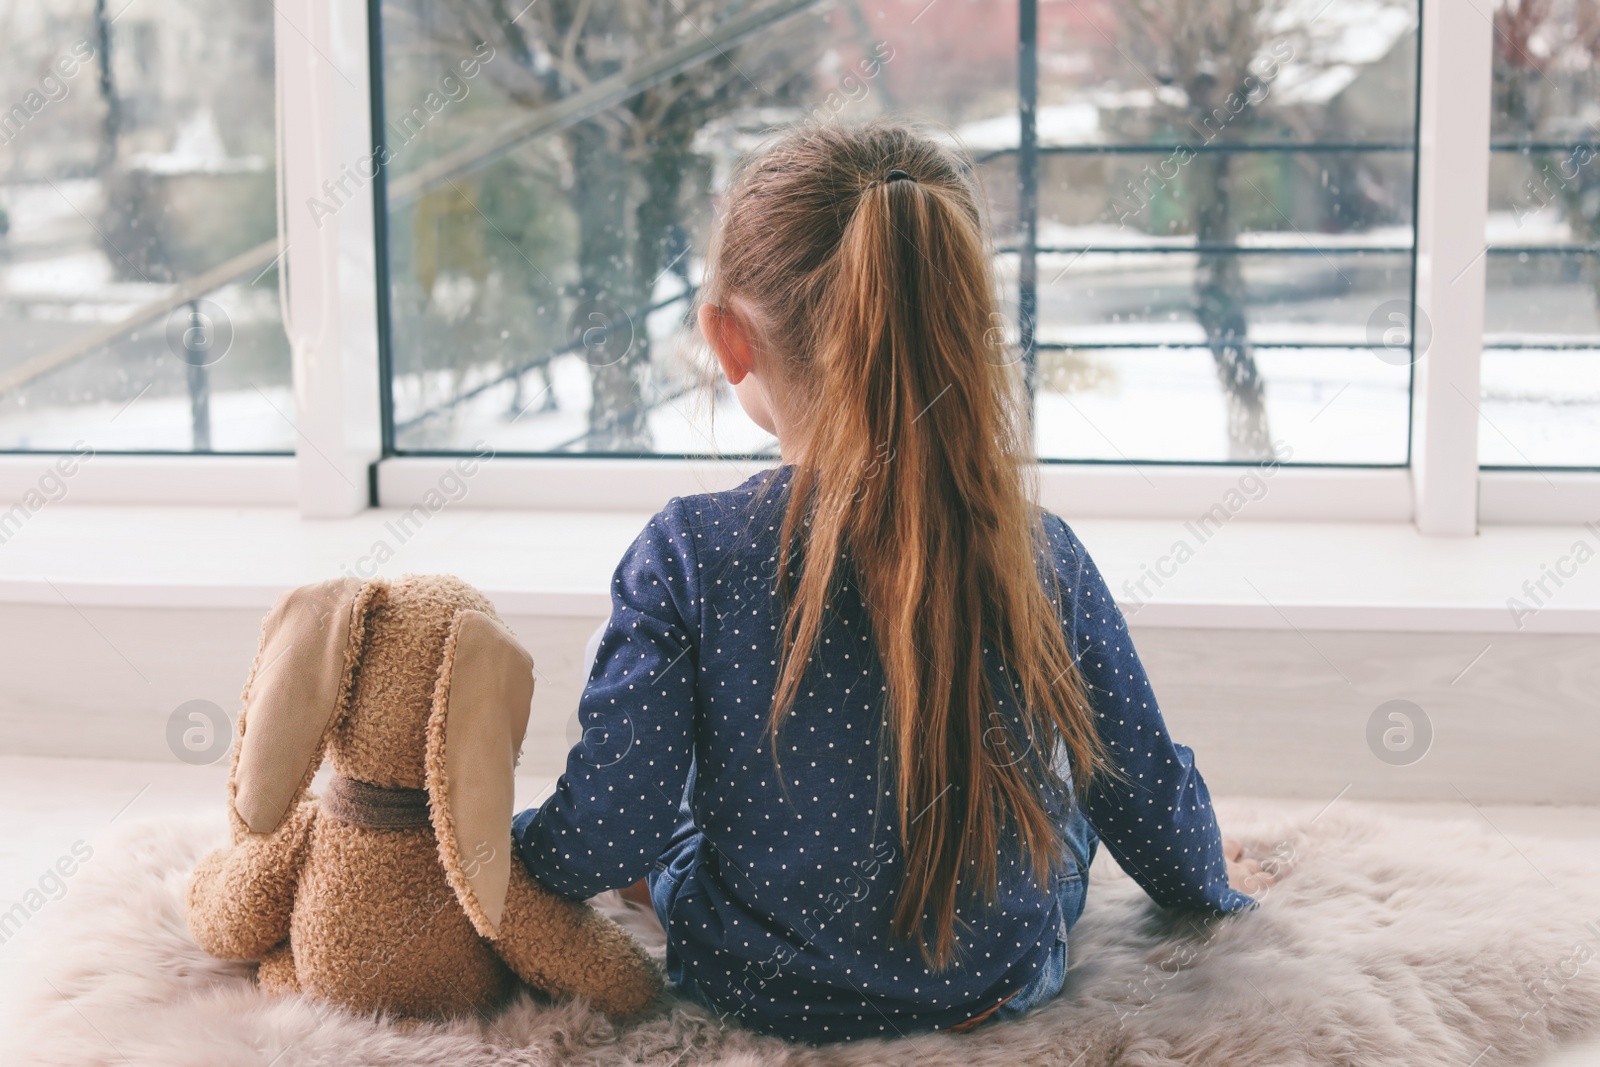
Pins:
x,y
640,486
1247,575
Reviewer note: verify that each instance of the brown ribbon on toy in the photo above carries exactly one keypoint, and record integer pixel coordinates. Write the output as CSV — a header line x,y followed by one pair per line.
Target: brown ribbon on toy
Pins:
x,y
377,807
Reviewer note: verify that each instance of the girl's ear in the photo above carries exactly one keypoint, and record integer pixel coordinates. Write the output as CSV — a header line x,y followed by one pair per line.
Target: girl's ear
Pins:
x,y
299,687
480,713
727,334
733,338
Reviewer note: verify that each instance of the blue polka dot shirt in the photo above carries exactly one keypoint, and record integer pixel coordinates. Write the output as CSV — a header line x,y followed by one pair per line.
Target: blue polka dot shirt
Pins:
x,y
789,880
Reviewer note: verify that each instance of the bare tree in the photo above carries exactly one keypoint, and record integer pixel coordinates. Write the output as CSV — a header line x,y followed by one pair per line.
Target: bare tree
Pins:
x,y
630,166
108,91
1212,64
1204,49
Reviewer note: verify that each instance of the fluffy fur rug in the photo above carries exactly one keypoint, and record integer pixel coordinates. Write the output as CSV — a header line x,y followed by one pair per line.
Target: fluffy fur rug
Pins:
x,y
1390,942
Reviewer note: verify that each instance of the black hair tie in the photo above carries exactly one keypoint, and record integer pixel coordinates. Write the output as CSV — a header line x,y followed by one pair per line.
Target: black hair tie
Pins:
x,y
897,175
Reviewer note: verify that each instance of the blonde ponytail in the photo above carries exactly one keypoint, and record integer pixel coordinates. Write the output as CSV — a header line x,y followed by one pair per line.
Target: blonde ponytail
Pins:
x,y
863,251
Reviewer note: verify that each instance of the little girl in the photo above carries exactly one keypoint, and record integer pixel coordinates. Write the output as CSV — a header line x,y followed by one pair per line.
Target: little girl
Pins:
x,y
862,721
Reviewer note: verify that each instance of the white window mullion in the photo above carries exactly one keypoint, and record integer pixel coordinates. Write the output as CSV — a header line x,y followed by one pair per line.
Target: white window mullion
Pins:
x,y
1452,211
326,185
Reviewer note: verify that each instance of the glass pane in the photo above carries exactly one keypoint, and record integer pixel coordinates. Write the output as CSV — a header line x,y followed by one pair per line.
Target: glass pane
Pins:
x,y
1265,254
1541,365
1328,405
1544,197
1543,298
1540,384
1546,70
1221,271
1290,199
136,159
1148,298
1118,72
1541,408
545,238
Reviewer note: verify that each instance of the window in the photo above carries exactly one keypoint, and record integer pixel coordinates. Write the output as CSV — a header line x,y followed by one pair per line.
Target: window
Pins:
x,y
552,185
1206,222
1217,240
138,278
1541,361
1224,248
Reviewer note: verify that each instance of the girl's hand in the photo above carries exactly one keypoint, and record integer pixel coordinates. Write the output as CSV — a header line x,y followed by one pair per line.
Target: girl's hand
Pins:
x,y
1244,873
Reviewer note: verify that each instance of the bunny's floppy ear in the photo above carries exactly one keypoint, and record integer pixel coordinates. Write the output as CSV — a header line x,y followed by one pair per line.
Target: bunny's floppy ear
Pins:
x,y
310,643
480,712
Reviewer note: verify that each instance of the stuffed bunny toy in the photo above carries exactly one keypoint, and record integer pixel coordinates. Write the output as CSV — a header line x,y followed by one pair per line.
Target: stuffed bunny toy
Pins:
x,y
399,889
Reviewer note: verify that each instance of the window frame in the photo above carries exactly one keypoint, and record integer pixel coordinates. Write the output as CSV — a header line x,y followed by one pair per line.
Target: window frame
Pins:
x,y
345,460
1446,505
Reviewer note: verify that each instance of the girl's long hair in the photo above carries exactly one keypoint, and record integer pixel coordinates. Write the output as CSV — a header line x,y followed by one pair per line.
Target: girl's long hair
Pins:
x,y
874,291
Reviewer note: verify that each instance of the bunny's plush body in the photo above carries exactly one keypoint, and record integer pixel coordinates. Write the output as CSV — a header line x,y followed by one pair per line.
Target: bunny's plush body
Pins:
x,y
398,889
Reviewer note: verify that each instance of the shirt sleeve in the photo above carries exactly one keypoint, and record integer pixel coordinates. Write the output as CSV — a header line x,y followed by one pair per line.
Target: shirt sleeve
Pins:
x,y
616,805
1155,817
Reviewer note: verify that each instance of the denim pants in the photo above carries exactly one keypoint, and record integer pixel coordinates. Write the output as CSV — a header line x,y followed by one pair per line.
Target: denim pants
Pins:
x,y
672,869
1071,887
